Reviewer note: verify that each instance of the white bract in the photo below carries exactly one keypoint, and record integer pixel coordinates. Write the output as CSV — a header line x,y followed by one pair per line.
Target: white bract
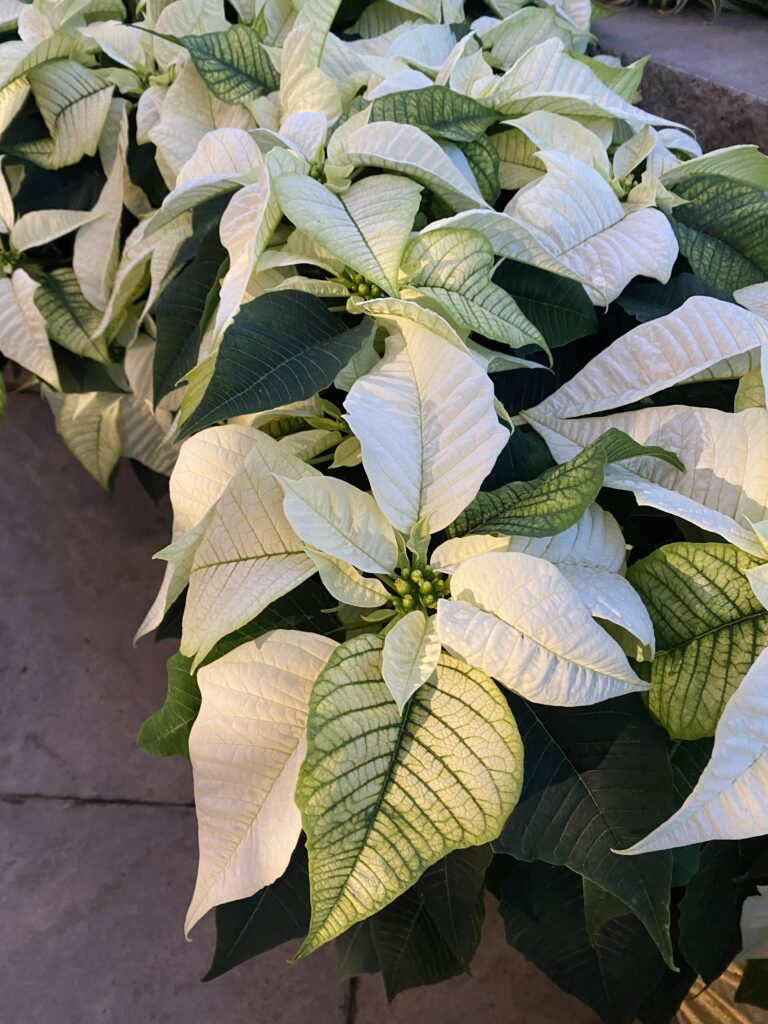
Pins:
x,y
725,483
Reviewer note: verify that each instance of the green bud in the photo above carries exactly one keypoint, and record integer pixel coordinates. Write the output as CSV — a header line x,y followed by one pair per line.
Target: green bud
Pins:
x,y
402,587
406,573
363,288
425,587
408,602
417,576
429,601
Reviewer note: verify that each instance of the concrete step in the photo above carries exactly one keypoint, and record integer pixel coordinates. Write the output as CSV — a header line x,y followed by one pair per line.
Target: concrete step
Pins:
x,y
710,75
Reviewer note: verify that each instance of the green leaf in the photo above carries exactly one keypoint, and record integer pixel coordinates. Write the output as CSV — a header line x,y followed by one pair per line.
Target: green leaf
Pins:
x,y
709,629
648,300
723,230
167,731
233,64
593,776
437,110
483,159
559,307
618,446
368,840
71,320
543,914
753,988
556,500
281,347
279,912
181,314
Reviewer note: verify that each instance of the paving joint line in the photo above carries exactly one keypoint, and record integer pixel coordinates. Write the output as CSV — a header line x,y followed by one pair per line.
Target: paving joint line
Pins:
x,y
120,801
350,1015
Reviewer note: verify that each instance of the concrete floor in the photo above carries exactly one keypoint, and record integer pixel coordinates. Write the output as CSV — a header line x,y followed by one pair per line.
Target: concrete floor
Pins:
x,y
98,854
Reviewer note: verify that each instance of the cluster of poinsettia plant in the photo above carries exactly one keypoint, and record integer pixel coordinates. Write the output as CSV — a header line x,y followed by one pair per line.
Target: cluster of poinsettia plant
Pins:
x,y
453,355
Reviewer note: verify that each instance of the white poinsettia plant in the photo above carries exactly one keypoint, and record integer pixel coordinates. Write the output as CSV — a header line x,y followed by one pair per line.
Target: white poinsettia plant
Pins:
x,y
429,433
454,357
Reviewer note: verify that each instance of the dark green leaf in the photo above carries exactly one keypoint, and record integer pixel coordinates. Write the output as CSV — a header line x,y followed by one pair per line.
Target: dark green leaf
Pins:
x,y
170,627
452,891
524,457
543,914
753,988
596,778
355,952
688,760
437,110
483,159
710,911
723,230
70,188
154,484
600,907
409,946
555,501
181,314
167,731
559,307
662,1005
245,928
233,64
646,300
282,347
429,933
78,373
